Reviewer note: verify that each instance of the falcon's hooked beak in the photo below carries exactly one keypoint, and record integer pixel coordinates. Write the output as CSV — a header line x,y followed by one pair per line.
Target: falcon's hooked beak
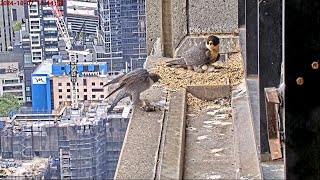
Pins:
x,y
155,77
213,40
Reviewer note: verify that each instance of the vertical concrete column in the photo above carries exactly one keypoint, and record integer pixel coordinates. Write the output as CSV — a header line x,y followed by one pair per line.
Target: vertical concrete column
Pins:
x,y
179,23
167,28
153,10
166,19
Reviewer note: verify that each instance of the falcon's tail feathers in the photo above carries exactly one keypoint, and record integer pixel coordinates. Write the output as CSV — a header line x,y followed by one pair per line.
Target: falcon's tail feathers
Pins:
x,y
115,80
118,98
179,61
117,89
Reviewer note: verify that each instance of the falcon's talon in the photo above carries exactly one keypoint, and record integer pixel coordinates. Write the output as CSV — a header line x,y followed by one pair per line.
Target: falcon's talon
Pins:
x,y
148,108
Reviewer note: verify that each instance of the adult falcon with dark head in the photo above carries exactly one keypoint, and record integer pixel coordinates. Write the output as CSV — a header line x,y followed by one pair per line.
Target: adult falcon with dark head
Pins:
x,y
197,56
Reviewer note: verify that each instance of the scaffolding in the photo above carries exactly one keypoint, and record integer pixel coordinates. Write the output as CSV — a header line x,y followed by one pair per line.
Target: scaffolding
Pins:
x,y
86,147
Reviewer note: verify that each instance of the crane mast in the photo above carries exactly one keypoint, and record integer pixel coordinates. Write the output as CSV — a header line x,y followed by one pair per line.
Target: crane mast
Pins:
x,y
62,28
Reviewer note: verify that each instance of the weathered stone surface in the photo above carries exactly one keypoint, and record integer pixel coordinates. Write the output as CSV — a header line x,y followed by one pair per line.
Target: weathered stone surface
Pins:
x,y
152,61
209,92
139,154
170,20
153,22
246,154
209,152
179,21
166,20
174,137
224,58
228,44
208,16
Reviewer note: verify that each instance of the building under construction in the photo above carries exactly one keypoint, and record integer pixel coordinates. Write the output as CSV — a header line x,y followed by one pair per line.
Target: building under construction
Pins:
x,y
82,146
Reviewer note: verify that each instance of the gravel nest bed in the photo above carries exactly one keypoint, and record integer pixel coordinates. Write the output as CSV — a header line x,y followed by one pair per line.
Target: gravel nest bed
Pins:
x,y
176,78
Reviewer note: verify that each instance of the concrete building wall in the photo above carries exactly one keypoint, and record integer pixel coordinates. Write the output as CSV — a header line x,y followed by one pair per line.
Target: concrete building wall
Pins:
x,y
43,31
12,80
28,69
91,25
172,20
86,14
125,33
166,20
115,131
88,151
6,34
218,16
12,56
90,89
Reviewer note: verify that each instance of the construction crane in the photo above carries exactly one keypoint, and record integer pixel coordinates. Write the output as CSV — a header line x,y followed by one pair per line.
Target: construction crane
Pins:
x,y
62,28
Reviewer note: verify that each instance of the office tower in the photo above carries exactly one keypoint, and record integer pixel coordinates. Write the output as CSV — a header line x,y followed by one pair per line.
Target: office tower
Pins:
x,y
11,17
125,33
43,33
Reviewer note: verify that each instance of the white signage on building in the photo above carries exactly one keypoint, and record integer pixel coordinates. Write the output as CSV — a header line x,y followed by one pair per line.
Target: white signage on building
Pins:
x,y
39,80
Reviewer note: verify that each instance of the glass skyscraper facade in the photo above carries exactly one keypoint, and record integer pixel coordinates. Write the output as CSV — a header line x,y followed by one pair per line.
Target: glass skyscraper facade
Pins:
x,y
125,33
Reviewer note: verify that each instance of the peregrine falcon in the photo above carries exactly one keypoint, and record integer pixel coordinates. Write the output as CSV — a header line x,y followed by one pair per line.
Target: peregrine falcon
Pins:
x,y
131,85
195,57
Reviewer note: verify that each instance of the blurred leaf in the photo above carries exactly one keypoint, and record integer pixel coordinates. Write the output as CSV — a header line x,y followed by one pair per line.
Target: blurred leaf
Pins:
x,y
8,102
17,26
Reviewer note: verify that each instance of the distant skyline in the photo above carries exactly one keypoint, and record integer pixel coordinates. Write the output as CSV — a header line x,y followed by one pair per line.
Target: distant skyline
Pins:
x,y
125,33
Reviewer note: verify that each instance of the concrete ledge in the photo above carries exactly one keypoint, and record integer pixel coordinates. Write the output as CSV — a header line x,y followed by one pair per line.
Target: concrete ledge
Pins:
x,y
228,44
247,161
139,154
174,138
209,92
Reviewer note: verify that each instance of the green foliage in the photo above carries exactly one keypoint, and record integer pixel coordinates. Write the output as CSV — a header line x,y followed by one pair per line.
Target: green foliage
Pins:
x,y
7,103
17,26
92,37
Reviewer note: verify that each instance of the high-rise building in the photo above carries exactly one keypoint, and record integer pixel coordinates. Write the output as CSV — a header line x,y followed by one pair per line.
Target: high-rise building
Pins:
x,y
12,80
125,33
83,20
133,32
86,146
11,17
14,32
51,84
81,13
43,32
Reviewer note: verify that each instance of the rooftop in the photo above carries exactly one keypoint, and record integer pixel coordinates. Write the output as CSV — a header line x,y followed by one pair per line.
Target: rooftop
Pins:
x,y
21,168
82,11
9,70
44,68
99,49
92,5
82,8
88,113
